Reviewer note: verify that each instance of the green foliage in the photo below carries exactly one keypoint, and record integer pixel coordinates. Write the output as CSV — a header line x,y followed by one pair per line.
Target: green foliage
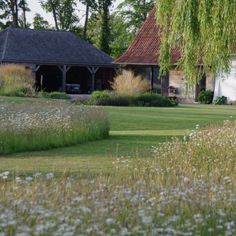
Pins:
x,y
204,31
16,80
104,39
63,12
206,97
220,100
121,36
107,98
54,95
134,13
118,29
39,22
152,100
115,100
101,94
46,126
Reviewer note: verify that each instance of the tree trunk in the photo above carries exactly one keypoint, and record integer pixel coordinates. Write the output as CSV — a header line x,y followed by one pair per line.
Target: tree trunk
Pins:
x,y
86,21
55,18
14,12
105,33
24,14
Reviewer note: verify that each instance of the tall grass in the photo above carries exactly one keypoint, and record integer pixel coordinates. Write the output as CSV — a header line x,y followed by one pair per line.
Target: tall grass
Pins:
x,y
187,188
129,84
37,127
15,80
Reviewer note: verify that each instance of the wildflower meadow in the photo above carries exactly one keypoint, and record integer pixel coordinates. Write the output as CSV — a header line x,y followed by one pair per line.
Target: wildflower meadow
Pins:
x,y
188,187
43,126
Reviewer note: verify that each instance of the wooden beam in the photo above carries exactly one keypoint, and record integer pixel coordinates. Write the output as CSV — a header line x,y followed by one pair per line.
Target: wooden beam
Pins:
x,y
93,70
64,69
152,78
34,69
64,78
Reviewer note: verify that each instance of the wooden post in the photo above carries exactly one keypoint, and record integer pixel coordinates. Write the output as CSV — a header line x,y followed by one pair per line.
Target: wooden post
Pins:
x,y
64,69
93,70
34,69
152,78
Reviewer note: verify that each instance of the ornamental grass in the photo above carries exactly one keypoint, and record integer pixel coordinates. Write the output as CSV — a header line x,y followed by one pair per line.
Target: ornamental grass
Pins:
x,y
129,84
16,80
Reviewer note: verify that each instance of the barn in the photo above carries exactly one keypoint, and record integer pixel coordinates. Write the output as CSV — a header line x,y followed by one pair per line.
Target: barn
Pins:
x,y
142,58
60,60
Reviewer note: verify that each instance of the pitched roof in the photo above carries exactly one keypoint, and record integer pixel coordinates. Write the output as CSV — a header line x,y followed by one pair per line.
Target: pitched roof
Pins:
x,y
50,48
144,50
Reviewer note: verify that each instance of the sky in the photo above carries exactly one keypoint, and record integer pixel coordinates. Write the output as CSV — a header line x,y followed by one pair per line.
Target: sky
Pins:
x,y
35,7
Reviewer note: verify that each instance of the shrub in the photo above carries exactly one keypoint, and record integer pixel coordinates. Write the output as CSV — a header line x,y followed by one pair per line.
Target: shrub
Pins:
x,y
220,100
129,84
102,94
113,101
205,97
16,80
39,127
152,100
54,95
145,100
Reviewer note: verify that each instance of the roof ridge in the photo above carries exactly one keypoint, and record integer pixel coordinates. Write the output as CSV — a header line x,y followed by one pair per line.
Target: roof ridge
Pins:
x,y
39,30
5,45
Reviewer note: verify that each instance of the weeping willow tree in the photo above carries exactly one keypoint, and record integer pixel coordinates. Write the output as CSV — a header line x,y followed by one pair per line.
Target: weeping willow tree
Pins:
x,y
204,31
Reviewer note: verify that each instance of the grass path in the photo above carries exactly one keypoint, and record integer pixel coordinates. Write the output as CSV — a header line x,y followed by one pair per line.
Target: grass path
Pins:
x,y
133,132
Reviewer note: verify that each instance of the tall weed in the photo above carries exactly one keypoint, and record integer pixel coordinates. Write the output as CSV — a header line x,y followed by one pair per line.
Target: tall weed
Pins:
x,y
16,80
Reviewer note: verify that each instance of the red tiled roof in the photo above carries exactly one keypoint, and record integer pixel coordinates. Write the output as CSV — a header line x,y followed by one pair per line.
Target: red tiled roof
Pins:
x,y
144,50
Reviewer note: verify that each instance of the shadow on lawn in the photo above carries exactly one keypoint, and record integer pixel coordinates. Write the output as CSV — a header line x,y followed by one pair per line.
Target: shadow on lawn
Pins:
x,y
115,146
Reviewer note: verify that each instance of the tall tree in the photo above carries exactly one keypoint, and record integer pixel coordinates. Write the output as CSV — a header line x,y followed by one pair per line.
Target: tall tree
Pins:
x,y
63,12
90,5
104,40
121,36
39,22
9,12
23,6
135,12
13,4
204,31
52,6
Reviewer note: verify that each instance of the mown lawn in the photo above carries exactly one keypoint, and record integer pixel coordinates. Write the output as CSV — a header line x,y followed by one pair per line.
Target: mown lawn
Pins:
x,y
133,133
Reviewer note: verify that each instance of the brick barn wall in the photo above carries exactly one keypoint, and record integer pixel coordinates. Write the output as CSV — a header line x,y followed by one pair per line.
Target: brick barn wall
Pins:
x,y
210,82
176,79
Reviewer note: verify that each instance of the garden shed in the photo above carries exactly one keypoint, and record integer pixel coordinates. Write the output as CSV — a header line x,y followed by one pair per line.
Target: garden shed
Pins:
x,y
60,60
142,58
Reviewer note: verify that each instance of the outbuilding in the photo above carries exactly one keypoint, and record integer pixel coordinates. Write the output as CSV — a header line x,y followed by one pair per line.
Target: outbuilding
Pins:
x,y
60,60
142,58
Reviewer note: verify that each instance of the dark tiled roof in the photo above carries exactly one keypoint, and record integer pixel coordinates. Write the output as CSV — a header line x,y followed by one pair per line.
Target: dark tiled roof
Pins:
x,y
144,50
49,47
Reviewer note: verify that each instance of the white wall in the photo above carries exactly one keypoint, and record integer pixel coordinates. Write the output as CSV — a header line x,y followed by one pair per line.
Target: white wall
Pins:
x,y
225,85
